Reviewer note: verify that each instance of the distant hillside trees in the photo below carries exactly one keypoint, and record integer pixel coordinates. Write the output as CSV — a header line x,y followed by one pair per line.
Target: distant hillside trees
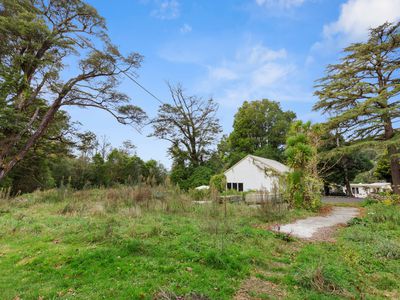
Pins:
x,y
37,39
259,128
361,94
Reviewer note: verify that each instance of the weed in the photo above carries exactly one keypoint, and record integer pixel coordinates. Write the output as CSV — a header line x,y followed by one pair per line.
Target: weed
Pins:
x,y
230,261
388,249
321,281
359,234
357,221
135,247
168,295
385,214
5,194
271,206
287,237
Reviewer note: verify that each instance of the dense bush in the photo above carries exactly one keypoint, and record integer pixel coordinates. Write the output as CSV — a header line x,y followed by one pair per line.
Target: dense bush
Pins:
x,y
118,167
218,182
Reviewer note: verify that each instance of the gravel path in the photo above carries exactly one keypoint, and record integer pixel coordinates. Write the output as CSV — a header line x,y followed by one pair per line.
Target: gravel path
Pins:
x,y
308,228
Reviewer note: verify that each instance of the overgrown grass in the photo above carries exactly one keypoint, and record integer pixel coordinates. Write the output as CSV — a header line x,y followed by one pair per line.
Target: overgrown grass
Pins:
x,y
364,263
141,243
127,243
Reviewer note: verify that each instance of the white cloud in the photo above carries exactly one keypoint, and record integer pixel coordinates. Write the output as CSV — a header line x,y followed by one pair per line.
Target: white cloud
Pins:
x,y
260,54
280,3
166,10
270,73
186,28
222,73
357,16
254,72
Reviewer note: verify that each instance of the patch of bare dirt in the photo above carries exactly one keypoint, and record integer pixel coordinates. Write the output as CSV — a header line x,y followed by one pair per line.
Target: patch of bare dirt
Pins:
x,y
255,288
326,234
325,210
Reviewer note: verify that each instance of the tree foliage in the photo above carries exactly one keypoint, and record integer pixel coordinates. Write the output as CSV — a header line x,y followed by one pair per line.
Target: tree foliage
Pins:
x,y
340,165
218,182
361,93
259,128
37,39
304,185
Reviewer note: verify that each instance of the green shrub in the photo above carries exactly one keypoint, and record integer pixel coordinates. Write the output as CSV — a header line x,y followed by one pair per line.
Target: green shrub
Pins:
x,y
218,182
199,195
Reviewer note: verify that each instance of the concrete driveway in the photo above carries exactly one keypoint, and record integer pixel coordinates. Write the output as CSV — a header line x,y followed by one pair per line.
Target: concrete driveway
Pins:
x,y
312,227
338,199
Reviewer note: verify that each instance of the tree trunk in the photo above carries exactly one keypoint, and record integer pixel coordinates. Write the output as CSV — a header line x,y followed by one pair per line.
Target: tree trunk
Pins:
x,y
347,182
6,167
326,189
394,169
393,156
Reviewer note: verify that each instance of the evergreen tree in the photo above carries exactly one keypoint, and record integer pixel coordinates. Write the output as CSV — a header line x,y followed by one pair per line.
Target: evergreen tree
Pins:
x,y
361,93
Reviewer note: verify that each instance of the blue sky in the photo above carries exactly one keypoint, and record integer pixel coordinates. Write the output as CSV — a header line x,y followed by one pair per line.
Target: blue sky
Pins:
x,y
231,50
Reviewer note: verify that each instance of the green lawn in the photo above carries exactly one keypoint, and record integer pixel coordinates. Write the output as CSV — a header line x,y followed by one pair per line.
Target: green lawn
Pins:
x,y
102,244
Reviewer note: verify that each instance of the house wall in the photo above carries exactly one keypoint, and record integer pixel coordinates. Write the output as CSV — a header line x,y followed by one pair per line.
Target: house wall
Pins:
x,y
252,177
361,191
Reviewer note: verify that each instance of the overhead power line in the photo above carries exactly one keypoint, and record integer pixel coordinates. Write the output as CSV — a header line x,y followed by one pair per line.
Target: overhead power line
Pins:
x,y
141,86
131,78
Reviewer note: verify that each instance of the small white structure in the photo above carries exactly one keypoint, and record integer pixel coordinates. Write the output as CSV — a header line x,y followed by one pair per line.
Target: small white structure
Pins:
x,y
202,187
362,190
255,173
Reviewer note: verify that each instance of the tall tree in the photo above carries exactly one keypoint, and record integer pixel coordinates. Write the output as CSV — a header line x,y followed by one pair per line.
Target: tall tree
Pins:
x,y
189,124
259,128
37,38
361,93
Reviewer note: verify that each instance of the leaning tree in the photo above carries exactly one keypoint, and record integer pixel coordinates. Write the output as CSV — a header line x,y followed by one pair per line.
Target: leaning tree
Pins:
x,y
48,60
362,94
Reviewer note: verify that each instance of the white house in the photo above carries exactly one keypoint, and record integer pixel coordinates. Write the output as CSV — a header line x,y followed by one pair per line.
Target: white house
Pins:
x,y
254,173
362,190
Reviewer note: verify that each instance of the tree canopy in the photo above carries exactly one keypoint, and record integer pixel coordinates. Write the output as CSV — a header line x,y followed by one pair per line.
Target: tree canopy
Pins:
x,y
189,124
37,39
361,94
259,128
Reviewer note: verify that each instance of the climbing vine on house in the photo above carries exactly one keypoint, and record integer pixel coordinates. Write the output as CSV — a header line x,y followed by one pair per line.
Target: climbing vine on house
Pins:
x,y
303,183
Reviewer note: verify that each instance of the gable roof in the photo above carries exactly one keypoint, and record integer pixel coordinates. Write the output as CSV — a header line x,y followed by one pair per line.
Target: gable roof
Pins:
x,y
264,163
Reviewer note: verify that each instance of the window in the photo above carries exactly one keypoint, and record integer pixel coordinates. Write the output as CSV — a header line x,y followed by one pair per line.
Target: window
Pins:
x,y
237,186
